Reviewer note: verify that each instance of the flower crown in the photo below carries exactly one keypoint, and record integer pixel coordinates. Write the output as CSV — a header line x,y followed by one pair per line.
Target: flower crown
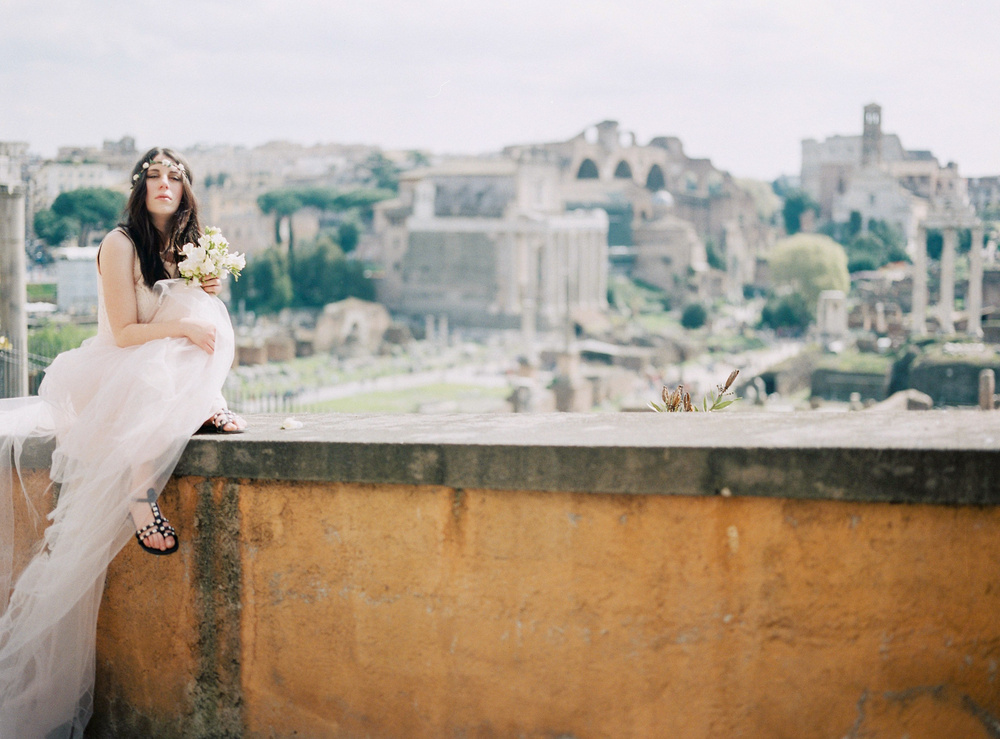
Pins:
x,y
165,162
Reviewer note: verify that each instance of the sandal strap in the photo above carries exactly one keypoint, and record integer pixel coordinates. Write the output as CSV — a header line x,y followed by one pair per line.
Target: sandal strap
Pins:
x,y
164,530
159,525
223,418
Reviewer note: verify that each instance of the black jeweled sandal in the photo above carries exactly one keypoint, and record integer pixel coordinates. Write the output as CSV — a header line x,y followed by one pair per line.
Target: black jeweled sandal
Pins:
x,y
160,525
217,423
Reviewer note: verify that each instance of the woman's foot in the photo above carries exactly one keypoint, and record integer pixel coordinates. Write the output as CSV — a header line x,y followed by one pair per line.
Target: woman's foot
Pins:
x,y
153,531
224,422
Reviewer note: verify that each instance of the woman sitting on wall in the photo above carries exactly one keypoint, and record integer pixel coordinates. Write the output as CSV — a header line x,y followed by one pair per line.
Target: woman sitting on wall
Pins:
x,y
121,409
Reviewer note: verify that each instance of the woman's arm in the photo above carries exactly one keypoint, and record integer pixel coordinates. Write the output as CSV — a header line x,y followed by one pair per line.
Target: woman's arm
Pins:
x,y
115,264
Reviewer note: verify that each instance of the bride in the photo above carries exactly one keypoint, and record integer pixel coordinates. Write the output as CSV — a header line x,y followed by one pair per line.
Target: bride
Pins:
x,y
120,409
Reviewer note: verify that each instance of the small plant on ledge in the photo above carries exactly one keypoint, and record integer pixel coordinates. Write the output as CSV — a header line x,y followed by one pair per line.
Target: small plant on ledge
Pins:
x,y
679,401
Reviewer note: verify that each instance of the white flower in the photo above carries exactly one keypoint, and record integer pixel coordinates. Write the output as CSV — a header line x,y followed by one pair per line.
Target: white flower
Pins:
x,y
234,262
210,257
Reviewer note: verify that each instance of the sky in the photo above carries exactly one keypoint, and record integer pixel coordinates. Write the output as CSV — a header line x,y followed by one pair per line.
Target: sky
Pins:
x,y
741,82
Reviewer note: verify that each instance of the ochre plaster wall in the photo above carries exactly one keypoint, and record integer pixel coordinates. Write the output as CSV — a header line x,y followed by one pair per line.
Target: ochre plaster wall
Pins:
x,y
349,610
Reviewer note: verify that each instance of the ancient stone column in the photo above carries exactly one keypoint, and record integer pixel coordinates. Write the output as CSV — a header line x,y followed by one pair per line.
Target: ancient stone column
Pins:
x,y
946,305
918,314
974,296
987,389
600,242
13,319
548,281
442,329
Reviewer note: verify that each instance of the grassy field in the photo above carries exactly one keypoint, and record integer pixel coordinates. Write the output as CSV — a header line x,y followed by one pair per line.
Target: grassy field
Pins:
x,y
464,398
853,361
41,292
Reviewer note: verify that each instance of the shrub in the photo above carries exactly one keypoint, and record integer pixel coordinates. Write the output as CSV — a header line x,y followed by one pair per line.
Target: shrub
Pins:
x,y
694,316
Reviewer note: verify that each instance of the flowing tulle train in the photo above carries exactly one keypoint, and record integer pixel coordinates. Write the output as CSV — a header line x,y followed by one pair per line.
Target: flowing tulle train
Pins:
x,y
121,418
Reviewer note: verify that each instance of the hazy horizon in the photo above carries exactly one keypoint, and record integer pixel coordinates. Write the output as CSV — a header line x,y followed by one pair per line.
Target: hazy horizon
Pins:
x,y
741,83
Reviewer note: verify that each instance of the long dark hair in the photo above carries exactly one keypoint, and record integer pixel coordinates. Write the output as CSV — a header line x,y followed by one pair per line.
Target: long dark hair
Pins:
x,y
184,226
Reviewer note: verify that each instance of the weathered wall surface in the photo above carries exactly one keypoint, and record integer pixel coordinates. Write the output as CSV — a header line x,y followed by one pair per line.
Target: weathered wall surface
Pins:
x,y
168,637
404,609
394,611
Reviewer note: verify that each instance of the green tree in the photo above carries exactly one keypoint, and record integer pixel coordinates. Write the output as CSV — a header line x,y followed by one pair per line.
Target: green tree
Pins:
x,y
418,158
854,224
350,205
52,229
78,213
324,276
694,316
888,234
283,204
264,285
320,275
864,252
787,313
380,172
797,202
809,264
715,259
348,234
217,181
871,248
320,198
361,202
881,245
312,274
935,243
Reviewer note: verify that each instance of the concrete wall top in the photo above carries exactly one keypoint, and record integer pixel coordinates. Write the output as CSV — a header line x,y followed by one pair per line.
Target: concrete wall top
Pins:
x,y
942,457
946,457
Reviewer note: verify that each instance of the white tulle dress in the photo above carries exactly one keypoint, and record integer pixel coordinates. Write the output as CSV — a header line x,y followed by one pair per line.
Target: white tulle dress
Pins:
x,y
120,418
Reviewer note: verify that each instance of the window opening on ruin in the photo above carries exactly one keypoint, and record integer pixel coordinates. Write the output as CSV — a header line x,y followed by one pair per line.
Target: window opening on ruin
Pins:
x,y
623,171
587,171
654,180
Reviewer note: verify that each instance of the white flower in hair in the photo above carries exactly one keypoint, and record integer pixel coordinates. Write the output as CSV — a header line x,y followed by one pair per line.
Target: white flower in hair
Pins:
x,y
165,162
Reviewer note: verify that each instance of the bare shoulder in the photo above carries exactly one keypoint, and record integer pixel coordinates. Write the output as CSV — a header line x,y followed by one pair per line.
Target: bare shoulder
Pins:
x,y
115,249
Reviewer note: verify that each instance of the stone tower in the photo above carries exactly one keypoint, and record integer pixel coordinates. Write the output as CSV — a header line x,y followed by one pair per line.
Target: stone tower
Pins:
x,y
871,139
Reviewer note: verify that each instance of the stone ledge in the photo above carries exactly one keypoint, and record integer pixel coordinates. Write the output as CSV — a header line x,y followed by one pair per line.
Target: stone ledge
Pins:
x,y
944,457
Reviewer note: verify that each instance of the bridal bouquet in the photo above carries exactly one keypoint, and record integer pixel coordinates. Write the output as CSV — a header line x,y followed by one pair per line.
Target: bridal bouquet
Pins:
x,y
210,257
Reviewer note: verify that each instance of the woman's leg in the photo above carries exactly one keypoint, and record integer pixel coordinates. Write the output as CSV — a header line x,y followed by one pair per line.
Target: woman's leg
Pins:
x,y
141,511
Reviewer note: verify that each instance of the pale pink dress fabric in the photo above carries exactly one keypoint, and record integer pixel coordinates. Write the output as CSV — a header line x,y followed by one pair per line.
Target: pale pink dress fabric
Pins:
x,y
121,418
